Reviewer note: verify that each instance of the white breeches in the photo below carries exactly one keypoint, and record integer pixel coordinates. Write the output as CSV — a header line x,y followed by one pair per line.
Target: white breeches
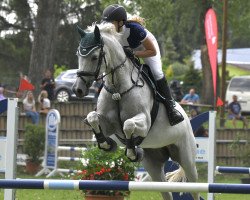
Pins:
x,y
154,62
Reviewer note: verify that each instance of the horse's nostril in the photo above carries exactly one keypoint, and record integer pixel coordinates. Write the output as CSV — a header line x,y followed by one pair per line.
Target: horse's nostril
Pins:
x,y
79,91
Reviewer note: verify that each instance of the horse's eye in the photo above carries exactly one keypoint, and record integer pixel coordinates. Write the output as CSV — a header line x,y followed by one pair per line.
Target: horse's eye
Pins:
x,y
94,58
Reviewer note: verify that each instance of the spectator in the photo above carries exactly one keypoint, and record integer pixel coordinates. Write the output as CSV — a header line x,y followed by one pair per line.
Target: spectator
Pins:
x,y
2,97
191,98
234,112
48,84
44,102
29,106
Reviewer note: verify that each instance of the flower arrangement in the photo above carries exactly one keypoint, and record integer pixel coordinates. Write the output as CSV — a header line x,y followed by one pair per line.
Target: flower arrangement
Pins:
x,y
97,164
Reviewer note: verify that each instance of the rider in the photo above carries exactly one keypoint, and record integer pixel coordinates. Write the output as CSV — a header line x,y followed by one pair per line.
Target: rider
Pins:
x,y
145,46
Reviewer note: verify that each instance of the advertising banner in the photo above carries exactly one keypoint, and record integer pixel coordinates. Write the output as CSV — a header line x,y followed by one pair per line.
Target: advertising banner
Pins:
x,y
211,31
51,143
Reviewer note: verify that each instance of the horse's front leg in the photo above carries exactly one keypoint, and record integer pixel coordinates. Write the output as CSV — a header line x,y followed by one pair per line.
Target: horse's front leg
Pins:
x,y
136,126
106,144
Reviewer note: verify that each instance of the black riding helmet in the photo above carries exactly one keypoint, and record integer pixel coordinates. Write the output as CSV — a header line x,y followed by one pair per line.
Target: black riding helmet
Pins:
x,y
114,12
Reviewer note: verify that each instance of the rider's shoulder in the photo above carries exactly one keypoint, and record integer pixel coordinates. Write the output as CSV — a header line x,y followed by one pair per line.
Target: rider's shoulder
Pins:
x,y
134,25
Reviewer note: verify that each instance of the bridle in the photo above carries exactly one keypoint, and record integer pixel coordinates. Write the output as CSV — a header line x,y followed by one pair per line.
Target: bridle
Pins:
x,y
96,73
101,57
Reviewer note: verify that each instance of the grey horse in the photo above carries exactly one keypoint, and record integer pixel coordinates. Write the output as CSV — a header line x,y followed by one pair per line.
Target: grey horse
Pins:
x,y
124,109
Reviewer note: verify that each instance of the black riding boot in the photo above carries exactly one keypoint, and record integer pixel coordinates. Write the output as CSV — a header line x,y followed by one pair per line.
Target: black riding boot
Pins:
x,y
174,115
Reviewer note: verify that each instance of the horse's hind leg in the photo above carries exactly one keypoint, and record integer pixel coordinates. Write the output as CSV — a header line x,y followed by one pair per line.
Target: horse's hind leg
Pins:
x,y
186,158
154,161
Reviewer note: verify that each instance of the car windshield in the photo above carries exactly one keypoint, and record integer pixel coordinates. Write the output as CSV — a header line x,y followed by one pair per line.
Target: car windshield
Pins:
x,y
240,84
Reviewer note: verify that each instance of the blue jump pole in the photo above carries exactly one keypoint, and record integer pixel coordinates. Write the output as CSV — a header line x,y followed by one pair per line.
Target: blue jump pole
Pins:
x,y
233,170
124,185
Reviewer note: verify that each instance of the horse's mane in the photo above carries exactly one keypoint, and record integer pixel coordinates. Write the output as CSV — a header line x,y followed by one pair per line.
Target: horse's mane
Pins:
x,y
105,28
110,36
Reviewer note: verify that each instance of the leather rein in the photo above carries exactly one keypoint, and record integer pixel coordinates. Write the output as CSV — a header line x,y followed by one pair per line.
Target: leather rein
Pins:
x,y
112,90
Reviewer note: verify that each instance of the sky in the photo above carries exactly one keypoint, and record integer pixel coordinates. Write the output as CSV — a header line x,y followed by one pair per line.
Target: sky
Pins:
x,y
11,18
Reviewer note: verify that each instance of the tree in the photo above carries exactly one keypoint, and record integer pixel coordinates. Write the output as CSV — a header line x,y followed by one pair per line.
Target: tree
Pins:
x,y
43,48
207,84
192,79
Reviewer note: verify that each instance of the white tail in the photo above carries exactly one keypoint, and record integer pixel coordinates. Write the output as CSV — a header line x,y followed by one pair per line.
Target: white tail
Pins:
x,y
176,176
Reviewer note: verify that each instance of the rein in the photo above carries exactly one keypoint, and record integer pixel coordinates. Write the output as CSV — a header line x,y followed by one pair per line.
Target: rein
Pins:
x,y
117,95
95,74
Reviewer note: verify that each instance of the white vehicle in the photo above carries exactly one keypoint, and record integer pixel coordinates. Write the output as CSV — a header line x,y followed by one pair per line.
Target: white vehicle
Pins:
x,y
240,86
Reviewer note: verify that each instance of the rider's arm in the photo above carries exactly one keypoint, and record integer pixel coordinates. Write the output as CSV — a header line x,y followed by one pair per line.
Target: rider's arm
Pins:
x,y
149,49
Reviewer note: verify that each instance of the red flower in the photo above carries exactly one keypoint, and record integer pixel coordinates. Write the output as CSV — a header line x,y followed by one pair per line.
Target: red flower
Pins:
x,y
126,177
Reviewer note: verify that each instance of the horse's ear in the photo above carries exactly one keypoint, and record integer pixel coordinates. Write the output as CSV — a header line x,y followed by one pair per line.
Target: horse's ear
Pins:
x,y
97,33
80,31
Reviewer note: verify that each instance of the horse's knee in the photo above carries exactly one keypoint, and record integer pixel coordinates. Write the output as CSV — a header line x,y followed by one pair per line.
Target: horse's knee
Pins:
x,y
93,120
129,127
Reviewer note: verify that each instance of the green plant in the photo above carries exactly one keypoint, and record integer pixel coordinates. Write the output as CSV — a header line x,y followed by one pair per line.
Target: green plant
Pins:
x,y
100,165
58,69
34,142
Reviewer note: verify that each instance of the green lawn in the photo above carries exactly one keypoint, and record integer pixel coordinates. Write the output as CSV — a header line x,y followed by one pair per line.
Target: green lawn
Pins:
x,y
235,71
75,195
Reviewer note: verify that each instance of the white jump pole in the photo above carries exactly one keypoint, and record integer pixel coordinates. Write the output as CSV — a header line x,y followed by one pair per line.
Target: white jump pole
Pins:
x,y
12,123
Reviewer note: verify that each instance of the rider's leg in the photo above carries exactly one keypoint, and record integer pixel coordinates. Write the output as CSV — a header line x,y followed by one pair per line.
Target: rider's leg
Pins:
x,y
174,115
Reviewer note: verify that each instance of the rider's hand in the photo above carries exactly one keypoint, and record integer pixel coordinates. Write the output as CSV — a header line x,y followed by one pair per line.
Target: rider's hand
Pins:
x,y
129,53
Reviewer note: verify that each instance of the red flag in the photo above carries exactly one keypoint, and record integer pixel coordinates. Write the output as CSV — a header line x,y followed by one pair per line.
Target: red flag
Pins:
x,y
212,38
219,102
25,85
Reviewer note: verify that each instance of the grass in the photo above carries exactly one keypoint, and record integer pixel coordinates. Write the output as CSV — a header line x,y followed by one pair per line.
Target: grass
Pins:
x,y
235,71
75,195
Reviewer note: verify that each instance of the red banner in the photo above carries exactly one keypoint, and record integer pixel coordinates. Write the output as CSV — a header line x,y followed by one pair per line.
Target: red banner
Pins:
x,y
212,38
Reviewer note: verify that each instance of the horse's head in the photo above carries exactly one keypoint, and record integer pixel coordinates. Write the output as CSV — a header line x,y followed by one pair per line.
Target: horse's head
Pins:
x,y
90,53
93,56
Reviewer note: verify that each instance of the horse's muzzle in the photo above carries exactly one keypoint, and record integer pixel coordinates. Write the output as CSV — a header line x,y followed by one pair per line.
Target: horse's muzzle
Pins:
x,y
80,89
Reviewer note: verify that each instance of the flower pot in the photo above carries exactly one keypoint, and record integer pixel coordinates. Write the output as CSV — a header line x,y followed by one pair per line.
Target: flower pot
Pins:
x,y
102,197
31,167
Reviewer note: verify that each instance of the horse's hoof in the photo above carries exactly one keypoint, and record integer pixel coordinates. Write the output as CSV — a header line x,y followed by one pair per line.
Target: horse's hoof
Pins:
x,y
139,155
112,143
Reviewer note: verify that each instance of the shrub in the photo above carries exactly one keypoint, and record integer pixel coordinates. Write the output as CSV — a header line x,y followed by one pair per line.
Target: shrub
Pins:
x,y
34,142
97,164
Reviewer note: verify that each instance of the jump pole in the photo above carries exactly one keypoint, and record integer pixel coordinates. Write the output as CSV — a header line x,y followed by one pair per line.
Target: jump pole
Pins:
x,y
233,170
125,185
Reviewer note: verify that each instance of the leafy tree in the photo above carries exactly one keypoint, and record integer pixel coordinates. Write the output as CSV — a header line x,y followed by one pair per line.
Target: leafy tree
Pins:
x,y
14,51
192,79
238,23
45,36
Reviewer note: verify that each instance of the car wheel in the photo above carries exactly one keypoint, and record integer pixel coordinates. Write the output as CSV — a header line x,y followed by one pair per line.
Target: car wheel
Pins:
x,y
62,96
